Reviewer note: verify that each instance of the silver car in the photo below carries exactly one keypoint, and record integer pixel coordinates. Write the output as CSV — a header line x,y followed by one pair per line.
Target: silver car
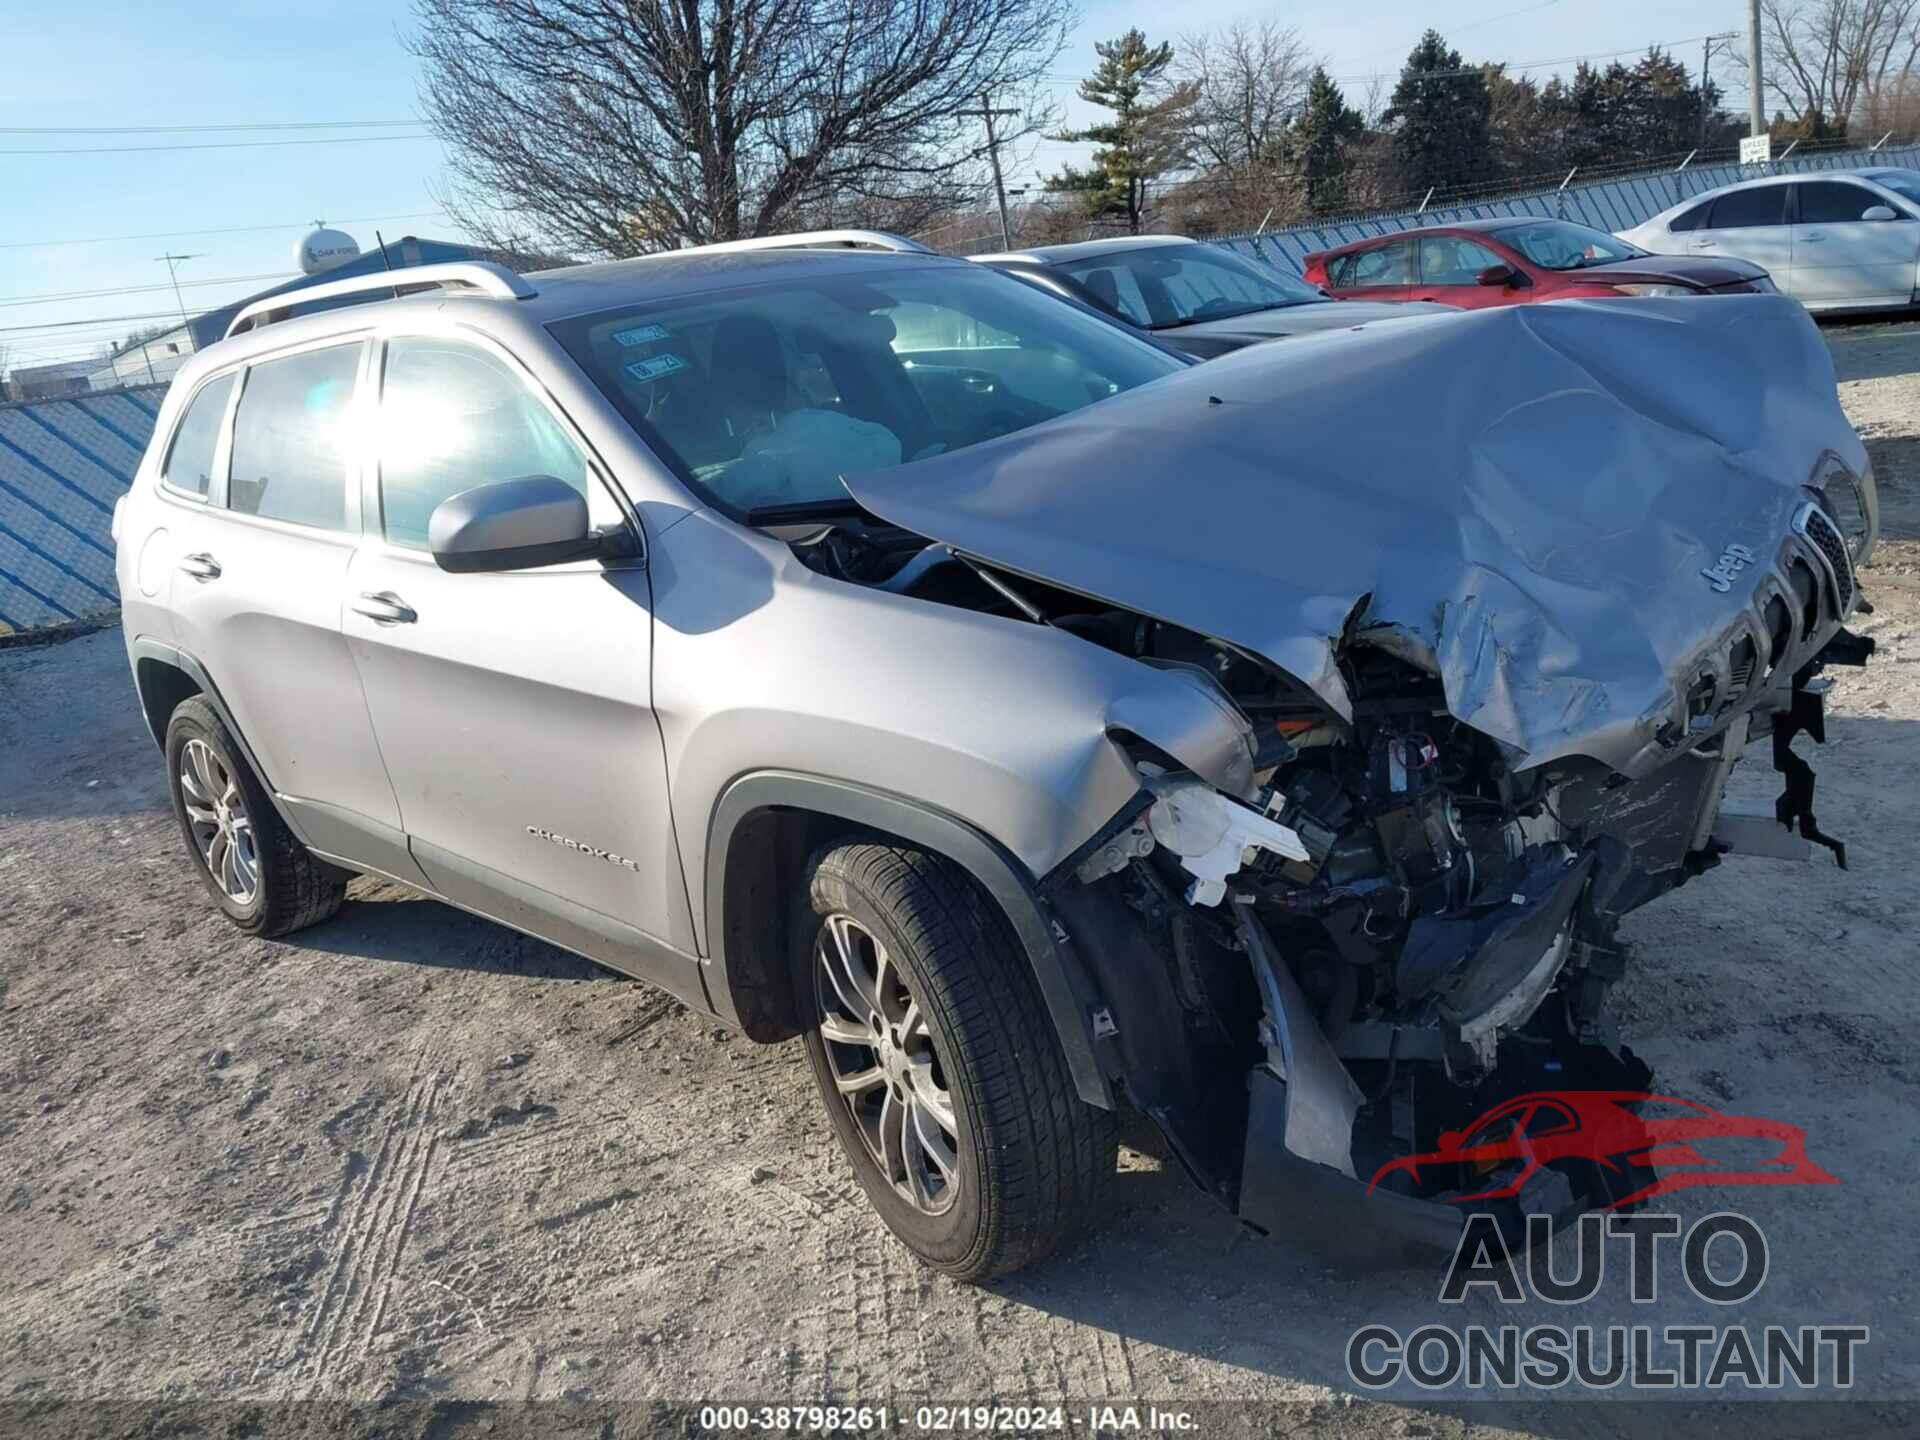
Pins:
x,y
872,649
1832,239
1201,299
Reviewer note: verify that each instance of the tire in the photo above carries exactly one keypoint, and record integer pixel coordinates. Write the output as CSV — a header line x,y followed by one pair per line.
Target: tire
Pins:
x,y
214,790
1030,1160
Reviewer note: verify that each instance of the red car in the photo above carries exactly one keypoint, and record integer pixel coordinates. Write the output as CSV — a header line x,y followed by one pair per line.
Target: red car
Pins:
x,y
1619,1130
1516,260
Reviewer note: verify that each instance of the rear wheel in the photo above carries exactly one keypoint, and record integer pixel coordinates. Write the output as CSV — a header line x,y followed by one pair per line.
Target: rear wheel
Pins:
x,y
263,879
941,1075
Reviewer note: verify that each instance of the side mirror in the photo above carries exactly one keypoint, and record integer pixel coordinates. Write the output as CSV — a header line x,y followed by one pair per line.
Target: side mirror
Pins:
x,y
1496,275
1450,1140
1878,212
511,525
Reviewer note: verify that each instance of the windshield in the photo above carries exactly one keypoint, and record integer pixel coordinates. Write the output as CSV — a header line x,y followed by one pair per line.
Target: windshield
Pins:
x,y
766,395
1904,183
1167,285
1561,245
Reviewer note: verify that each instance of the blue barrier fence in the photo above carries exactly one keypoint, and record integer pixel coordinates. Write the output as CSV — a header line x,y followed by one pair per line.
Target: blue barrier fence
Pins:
x,y
1616,204
63,464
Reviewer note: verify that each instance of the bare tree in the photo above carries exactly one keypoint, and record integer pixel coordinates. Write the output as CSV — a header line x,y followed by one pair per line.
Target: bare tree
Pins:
x,y
1825,59
1250,83
1892,107
625,126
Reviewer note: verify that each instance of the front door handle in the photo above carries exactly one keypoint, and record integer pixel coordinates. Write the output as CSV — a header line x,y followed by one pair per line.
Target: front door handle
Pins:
x,y
385,608
201,566
1814,238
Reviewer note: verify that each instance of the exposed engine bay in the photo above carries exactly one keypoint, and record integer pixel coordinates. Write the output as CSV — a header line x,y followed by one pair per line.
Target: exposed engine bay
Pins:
x,y
1393,928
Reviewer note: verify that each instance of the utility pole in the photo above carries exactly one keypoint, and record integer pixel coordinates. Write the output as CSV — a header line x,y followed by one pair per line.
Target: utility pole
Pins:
x,y
987,112
1707,47
1757,95
173,275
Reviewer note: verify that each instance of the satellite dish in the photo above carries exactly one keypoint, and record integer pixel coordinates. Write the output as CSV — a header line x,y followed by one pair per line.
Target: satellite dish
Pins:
x,y
324,249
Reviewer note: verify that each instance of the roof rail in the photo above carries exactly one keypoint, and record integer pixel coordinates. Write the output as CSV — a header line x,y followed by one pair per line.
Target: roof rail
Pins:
x,y
825,240
481,276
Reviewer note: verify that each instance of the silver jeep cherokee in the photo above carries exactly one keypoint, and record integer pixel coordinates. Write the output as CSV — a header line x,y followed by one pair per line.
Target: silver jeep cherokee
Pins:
x,y
870,648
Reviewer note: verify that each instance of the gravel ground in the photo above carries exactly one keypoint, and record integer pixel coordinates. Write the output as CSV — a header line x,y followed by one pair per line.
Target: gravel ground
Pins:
x,y
409,1154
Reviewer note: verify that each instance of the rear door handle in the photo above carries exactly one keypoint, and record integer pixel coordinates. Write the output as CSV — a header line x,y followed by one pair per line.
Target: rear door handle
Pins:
x,y
385,608
201,566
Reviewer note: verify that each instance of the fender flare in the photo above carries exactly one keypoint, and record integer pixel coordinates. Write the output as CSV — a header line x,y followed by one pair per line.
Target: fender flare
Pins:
x,y
144,648
1065,988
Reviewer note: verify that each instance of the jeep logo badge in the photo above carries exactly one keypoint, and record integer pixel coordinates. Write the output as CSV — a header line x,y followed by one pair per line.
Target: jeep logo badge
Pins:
x,y
1732,561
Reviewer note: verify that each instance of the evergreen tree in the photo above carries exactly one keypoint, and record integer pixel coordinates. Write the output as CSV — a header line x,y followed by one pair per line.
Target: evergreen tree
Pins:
x,y
1439,118
1143,139
1326,128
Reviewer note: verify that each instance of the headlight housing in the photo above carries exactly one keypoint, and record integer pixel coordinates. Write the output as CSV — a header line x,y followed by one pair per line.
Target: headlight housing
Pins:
x,y
1659,292
1852,500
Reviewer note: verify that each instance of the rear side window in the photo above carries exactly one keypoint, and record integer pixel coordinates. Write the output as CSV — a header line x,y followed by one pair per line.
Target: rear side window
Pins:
x,y
189,464
1832,202
453,417
1762,205
1689,219
1383,265
290,438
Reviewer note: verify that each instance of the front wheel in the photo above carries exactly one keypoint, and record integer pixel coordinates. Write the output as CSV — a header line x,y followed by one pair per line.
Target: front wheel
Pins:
x,y
941,1075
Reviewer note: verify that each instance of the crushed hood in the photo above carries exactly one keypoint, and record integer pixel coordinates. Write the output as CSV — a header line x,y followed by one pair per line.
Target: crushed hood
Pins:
x,y
1520,500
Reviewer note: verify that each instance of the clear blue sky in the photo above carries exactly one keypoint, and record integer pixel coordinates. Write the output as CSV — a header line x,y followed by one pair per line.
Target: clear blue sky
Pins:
x,y
114,63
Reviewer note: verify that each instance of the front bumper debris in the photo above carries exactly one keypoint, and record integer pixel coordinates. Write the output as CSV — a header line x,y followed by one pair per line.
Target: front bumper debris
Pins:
x,y
1298,1179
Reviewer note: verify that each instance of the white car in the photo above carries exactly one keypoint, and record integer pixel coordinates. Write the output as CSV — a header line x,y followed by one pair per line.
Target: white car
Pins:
x,y
1833,239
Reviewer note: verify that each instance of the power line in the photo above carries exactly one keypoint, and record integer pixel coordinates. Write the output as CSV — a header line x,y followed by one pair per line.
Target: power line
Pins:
x,y
202,129
104,321
217,145
229,230
1487,20
58,295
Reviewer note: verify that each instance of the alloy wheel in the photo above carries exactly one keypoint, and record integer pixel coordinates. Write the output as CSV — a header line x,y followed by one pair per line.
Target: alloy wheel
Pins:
x,y
884,1065
218,820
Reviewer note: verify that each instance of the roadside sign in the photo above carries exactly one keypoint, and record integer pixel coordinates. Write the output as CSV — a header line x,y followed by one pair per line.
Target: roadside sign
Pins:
x,y
1756,150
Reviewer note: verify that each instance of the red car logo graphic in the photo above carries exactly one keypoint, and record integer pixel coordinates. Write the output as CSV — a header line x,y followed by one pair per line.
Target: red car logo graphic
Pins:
x,y
1621,1130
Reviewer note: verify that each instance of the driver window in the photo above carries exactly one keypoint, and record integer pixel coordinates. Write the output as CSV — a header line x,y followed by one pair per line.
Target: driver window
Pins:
x,y
452,416
1831,202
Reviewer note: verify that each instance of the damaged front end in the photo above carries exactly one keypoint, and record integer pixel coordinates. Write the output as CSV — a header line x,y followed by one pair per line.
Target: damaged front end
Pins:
x,y
1393,930
1497,660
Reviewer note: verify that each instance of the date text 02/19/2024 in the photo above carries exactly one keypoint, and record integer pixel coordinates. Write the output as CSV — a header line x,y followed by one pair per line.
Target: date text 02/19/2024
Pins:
x,y
946,1419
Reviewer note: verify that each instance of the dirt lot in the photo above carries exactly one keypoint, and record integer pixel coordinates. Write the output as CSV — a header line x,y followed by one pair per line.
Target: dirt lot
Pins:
x,y
410,1154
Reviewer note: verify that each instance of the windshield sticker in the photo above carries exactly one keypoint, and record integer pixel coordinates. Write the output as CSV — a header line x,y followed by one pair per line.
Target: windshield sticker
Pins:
x,y
626,339
655,366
